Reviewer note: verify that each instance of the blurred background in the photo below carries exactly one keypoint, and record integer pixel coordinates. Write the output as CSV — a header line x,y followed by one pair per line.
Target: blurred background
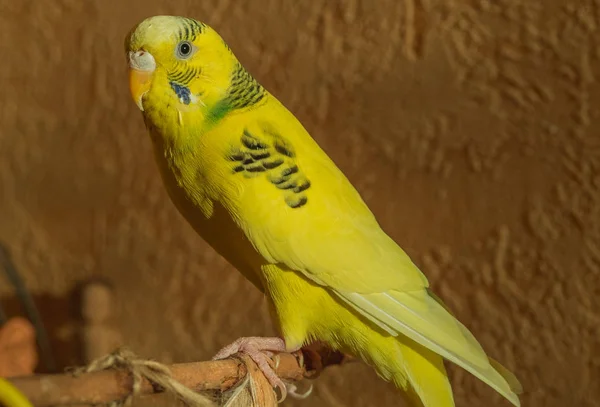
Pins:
x,y
470,127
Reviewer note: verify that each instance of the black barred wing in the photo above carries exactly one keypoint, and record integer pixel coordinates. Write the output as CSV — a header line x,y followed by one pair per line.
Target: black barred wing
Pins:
x,y
273,157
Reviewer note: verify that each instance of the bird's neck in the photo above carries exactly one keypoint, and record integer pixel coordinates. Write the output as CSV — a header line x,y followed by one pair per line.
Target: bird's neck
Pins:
x,y
202,101
242,93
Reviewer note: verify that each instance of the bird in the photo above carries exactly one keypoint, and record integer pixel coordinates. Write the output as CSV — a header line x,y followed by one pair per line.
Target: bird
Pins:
x,y
252,182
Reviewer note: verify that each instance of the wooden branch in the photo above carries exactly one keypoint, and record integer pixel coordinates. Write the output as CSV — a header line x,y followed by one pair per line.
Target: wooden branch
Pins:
x,y
113,385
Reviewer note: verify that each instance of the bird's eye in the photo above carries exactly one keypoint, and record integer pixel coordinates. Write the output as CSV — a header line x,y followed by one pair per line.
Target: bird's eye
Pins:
x,y
184,50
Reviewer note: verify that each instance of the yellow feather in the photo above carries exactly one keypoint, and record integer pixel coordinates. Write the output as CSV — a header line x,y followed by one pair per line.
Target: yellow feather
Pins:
x,y
252,182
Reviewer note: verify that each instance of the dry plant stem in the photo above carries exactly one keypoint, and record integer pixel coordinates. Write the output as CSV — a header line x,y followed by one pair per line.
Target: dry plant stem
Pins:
x,y
114,385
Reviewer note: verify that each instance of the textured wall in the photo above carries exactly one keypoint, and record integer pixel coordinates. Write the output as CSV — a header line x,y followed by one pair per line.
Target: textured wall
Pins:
x,y
469,126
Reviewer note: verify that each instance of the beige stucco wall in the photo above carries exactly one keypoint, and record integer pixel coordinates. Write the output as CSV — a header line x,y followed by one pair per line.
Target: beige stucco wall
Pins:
x,y
469,126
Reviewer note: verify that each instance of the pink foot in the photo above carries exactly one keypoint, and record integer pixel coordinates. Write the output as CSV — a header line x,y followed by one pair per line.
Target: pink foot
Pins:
x,y
260,351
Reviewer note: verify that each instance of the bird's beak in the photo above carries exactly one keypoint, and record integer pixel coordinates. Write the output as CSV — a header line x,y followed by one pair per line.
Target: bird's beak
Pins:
x,y
141,69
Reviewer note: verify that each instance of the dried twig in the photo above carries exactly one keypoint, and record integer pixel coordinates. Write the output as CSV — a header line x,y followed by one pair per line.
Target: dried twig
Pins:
x,y
114,385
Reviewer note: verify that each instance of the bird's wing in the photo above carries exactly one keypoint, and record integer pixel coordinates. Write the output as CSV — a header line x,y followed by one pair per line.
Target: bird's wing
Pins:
x,y
299,211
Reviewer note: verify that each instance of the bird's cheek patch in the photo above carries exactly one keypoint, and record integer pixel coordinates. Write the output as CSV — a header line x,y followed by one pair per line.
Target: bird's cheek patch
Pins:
x,y
183,93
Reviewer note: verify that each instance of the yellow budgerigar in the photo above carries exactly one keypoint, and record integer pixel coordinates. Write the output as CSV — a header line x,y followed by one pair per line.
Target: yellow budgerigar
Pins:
x,y
252,182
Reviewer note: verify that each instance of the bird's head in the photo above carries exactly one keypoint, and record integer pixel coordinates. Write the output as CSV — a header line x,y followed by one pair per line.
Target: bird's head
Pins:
x,y
178,61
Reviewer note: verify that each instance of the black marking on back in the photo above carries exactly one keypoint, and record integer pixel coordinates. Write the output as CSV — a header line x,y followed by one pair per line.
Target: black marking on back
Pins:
x,y
252,142
274,157
303,187
277,180
255,168
273,164
236,156
226,45
260,155
297,203
244,91
287,185
282,149
289,171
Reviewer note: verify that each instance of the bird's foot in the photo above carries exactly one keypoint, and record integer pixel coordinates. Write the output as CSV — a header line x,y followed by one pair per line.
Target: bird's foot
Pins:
x,y
291,388
260,350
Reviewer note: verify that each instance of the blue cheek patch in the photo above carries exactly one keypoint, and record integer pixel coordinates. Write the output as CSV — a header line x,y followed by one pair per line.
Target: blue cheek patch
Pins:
x,y
182,92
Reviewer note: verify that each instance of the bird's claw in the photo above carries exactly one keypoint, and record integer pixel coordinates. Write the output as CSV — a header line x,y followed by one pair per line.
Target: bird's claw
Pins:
x,y
260,350
291,388
248,345
292,391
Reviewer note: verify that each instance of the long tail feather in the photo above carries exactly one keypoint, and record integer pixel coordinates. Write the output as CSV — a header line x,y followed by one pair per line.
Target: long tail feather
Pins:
x,y
426,374
425,320
417,371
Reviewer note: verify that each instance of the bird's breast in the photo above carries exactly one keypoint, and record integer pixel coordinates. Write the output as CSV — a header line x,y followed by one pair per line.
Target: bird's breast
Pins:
x,y
192,193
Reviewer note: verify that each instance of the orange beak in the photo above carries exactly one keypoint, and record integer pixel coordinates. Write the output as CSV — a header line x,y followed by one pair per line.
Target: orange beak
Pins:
x,y
139,85
141,70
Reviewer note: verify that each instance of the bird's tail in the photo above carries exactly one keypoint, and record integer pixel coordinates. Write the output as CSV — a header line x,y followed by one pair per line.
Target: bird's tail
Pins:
x,y
417,371
422,317
428,383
